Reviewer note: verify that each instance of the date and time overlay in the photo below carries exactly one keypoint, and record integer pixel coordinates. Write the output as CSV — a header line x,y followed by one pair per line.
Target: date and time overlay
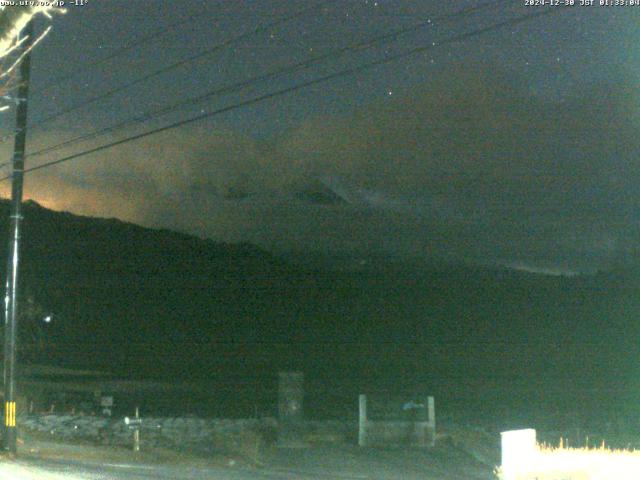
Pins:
x,y
582,3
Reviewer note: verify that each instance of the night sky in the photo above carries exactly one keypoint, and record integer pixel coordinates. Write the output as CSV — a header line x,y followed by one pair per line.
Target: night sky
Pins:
x,y
516,147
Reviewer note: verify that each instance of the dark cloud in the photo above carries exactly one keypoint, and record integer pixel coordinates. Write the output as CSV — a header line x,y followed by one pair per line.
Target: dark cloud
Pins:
x,y
475,164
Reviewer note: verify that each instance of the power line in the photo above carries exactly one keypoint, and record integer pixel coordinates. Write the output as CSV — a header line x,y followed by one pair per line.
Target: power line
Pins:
x,y
168,68
277,93
365,44
346,72
134,43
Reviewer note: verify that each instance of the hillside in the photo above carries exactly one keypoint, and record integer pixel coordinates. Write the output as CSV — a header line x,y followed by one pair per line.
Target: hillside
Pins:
x,y
153,303
113,286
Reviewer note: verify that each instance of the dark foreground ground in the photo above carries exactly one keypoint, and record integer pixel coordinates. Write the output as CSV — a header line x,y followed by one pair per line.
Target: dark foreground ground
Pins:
x,y
451,459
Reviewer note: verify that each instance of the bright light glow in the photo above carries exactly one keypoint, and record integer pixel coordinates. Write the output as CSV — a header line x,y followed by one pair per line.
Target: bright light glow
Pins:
x,y
13,22
546,462
47,319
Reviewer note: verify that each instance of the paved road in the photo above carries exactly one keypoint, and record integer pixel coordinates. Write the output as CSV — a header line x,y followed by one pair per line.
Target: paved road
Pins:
x,y
322,462
32,469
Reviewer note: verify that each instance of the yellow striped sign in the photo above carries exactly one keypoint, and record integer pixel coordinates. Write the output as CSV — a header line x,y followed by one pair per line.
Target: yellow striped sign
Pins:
x,y
10,414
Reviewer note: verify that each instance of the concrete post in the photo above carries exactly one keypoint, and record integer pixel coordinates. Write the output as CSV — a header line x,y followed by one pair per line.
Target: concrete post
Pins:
x,y
136,433
362,421
290,396
290,408
431,418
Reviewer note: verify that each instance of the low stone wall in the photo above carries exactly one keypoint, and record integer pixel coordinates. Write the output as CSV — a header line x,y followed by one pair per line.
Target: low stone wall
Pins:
x,y
207,435
241,436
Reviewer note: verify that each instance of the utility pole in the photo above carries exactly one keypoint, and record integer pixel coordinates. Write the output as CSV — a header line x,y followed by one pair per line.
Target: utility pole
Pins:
x,y
11,297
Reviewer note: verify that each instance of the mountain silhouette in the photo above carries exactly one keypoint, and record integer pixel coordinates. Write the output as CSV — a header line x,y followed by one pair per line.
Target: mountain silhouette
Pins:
x,y
147,303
